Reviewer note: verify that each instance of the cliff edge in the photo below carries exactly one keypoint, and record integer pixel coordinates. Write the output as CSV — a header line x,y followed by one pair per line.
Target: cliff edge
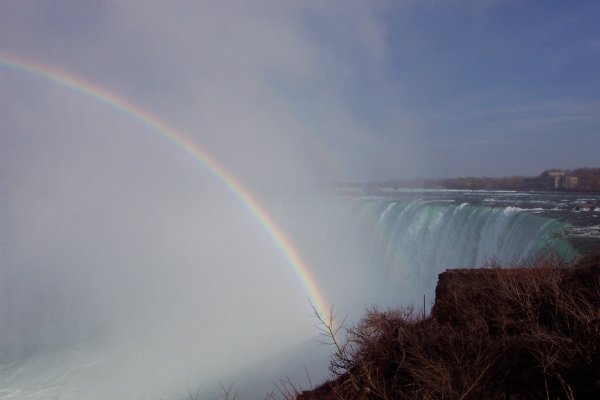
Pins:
x,y
518,333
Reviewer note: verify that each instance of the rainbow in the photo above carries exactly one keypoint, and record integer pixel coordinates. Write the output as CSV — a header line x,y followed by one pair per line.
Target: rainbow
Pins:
x,y
122,105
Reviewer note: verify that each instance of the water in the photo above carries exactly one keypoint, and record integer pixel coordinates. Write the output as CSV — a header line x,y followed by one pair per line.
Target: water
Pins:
x,y
396,242
381,247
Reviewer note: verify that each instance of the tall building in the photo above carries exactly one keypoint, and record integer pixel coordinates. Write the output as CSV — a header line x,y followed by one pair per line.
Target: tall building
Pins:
x,y
551,179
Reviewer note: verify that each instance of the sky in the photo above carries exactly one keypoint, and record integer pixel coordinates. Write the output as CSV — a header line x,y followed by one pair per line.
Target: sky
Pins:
x,y
109,229
346,90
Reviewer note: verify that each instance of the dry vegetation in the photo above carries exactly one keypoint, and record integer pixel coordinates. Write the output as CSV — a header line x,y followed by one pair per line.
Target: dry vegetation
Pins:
x,y
522,333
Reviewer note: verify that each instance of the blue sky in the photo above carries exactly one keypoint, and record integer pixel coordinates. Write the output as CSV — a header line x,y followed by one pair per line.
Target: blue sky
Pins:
x,y
504,88
361,90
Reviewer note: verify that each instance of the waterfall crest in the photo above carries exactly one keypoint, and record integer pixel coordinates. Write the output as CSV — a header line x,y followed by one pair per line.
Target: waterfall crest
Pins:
x,y
400,245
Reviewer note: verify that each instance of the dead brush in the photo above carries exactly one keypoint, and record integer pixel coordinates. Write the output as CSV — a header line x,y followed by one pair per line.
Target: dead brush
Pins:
x,y
494,333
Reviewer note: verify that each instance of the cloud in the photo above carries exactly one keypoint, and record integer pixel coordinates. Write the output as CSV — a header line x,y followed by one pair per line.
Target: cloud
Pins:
x,y
118,240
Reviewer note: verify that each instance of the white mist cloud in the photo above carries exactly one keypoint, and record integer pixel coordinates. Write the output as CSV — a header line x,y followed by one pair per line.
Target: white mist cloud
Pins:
x,y
115,239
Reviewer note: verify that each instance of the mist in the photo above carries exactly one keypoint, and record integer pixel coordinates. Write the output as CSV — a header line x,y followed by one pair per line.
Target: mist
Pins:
x,y
128,269
143,262
130,272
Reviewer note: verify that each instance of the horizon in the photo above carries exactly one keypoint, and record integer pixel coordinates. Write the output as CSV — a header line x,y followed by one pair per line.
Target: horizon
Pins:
x,y
472,176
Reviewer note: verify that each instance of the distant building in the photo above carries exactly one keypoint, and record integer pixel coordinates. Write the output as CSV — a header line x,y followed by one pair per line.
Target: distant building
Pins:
x,y
570,182
552,179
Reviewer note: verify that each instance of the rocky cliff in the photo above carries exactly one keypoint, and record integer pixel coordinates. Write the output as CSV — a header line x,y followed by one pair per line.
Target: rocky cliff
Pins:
x,y
517,333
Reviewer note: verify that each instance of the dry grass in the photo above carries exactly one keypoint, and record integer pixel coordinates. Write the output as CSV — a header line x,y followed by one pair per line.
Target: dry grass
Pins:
x,y
523,333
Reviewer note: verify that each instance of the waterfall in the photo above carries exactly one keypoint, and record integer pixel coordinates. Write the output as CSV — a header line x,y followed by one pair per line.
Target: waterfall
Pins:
x,y
411,241
426,234
392,249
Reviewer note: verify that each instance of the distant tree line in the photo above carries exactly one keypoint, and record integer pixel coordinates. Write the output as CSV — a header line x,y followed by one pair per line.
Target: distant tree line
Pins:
x,y
478,183
588,180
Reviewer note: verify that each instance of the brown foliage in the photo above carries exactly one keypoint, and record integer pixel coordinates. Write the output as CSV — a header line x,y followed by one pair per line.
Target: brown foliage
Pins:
x,y
495,334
